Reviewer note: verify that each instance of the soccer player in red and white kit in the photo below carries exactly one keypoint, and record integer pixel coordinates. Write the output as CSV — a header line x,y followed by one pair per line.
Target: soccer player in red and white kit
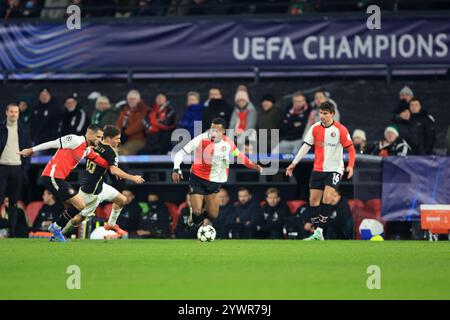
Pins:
x,y
329,139
210,169
71,149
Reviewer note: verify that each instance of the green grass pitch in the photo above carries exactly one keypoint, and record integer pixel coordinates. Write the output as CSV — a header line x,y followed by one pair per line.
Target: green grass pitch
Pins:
x,y
227,269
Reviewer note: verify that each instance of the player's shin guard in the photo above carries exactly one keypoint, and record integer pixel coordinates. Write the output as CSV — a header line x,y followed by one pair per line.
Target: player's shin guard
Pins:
x,y
197,218
68,228
315,216
66,216
325,213
113,217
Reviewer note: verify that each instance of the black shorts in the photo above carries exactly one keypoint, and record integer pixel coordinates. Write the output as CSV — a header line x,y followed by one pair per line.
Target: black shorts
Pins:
x,y
321,179
201,186
60,188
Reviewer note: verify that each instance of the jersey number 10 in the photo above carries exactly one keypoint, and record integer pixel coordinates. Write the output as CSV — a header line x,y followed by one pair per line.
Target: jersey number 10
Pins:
x,y
90,166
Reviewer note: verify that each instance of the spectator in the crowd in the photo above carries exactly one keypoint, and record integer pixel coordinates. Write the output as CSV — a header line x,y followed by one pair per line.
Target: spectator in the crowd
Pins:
x,y
408,130
321,96
25,110
360,141
54,9
130,216
215,107
273,215
124,8
298,225
99,8
244,118
448,141
131,123
159,125
293,124
155,223
225,219
193,114
14,137
49,212
104,113
183,230
75,119
392,144
340,223
269,118
405,96
426,123
45,119
245,214
208,7
21,227
213,94
22,9
149,8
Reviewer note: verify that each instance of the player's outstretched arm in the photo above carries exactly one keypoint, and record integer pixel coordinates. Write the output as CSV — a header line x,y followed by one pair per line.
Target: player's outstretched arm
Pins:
x,y
115,170
55,144
242,159
301,153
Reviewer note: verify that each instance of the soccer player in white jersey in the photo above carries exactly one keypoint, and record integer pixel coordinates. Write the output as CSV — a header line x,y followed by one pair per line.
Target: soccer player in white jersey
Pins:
x,y
329,139
210,169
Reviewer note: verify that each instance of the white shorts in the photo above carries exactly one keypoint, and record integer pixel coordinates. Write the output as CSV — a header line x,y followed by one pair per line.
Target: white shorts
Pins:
x,y
92,201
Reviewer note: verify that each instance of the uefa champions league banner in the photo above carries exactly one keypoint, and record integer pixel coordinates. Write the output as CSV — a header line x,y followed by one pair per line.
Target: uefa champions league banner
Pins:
x,y
412,181
215,43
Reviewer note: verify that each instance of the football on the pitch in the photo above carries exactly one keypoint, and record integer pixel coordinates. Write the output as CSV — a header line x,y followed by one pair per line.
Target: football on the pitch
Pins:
x,y
206,233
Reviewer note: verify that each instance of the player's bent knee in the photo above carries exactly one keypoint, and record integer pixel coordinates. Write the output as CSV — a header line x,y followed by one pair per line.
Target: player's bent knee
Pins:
x,y
120,200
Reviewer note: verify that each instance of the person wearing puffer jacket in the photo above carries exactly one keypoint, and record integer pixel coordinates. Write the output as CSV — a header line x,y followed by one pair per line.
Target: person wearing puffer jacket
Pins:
x,y
193,114
244,118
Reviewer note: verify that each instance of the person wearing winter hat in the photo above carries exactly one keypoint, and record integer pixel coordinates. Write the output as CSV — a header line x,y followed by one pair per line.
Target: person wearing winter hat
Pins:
x,y
406,94
243,118
392,144
75,118
269,118
360,141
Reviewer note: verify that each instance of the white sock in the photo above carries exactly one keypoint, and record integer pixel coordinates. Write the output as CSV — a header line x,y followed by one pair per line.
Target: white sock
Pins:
x,y
69,227
113,217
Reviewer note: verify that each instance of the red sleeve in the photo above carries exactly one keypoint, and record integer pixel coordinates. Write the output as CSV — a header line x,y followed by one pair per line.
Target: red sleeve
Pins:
x,y
97,159
346,140
351,156
241,158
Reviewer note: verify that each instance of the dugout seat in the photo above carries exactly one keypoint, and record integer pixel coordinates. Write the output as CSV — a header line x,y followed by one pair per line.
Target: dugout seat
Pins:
x,y
101,213
173,212
374,206
107,209
32,211
179,209
295,204
371,210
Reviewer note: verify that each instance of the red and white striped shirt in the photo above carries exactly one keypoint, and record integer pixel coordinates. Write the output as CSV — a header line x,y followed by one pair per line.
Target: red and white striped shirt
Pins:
x,y
72,149
329,143
211,159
